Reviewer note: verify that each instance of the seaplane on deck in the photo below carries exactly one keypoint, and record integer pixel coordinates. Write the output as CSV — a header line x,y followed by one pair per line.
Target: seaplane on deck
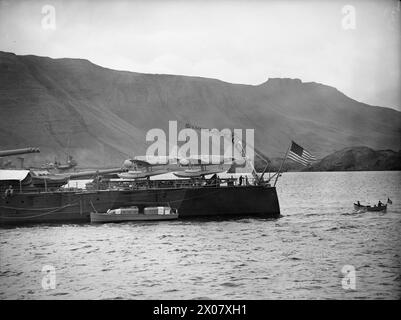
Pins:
x,y
197,166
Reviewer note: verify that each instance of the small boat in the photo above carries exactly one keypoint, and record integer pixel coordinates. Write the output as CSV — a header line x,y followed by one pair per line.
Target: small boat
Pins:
x,y
370,208
133,214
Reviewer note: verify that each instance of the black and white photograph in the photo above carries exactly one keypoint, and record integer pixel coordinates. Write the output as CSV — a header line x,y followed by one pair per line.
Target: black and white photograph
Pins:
x,y
226,150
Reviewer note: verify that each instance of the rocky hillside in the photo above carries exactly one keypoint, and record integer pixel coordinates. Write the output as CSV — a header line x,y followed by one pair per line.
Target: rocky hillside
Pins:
x,y
101,116
359,159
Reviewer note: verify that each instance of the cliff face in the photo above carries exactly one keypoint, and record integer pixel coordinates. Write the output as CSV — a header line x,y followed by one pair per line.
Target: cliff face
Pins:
x,y
101,116
359,159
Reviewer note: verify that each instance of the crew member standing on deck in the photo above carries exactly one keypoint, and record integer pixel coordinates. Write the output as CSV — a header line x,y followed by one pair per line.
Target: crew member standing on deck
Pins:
x,y
240,180
9,191
148,181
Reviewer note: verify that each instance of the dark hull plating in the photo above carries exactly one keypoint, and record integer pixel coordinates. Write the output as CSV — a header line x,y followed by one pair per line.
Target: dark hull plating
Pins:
x,y
75,207
246,200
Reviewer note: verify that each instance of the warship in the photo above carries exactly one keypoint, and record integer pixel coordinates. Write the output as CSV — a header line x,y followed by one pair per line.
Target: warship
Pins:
x,y
29,203
31,197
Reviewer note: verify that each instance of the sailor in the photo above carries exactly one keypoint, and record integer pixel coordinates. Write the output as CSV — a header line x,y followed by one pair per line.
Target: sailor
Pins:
x,y
9,191
379,204
358,203
240,180
148,181
246,180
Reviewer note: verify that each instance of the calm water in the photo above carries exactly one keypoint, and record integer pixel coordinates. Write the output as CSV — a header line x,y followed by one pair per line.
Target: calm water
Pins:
x,y
297,256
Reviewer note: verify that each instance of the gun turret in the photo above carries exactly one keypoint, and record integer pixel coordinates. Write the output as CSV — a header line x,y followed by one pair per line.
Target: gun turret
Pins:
x,y
14,152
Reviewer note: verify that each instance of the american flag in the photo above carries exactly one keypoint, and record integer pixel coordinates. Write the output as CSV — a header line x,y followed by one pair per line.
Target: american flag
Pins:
x,y
299,154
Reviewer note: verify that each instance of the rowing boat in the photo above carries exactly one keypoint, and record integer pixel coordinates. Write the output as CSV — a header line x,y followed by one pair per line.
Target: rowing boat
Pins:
x,y
370,208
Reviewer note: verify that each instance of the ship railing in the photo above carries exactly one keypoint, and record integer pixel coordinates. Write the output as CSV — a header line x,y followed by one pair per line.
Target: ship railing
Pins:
x,y
180,183
147,184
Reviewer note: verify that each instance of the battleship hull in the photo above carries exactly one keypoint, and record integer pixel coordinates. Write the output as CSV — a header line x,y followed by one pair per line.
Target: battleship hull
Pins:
x,y
75,207
230,201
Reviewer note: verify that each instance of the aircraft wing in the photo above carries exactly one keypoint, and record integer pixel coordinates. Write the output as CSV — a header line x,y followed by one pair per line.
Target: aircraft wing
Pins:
x,y
196,173
208,160
132,175
149,161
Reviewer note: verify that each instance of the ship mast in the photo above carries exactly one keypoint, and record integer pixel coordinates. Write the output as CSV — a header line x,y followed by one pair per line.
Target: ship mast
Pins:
x,y
237,143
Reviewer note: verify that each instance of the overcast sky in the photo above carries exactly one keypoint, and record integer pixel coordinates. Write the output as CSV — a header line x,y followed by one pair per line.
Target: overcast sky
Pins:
x,y
235,41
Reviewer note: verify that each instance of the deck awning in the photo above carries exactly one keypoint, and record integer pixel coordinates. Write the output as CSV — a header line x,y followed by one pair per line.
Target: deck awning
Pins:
x,y
13,175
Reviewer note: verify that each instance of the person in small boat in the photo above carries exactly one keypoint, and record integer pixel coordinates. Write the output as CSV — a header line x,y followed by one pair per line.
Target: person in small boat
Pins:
x,y
379,204
358,203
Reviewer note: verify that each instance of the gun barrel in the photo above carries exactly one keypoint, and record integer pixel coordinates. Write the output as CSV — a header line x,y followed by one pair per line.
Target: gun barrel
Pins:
x,y
90,174
14,152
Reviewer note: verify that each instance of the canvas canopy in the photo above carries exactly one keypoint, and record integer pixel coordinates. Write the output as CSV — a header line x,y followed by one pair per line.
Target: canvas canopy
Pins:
x,y
13,175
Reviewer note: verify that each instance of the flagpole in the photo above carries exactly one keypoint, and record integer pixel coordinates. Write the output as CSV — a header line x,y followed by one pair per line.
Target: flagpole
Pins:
x,y
263,172
282,163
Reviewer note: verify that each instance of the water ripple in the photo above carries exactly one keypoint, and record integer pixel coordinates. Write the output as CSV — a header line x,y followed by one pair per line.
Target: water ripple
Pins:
x,y
299,256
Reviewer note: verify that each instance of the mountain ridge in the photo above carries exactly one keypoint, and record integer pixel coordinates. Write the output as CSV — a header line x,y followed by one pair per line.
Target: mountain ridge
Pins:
x,y
359,158
101,115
